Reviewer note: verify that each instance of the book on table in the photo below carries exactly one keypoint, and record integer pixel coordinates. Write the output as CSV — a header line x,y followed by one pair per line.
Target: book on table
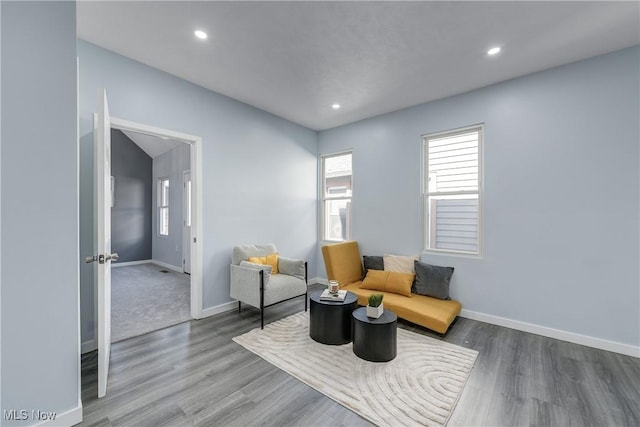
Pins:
x,y
328,296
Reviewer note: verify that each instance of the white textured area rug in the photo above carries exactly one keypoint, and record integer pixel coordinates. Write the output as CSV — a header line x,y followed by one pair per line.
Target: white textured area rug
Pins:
x,y
421,386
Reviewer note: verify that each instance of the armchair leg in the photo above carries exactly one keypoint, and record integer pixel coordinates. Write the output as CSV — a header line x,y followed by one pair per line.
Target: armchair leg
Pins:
x,y
239,306
261,299
306,294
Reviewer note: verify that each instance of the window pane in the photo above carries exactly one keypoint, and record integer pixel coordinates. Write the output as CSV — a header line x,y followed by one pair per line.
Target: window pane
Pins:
x,y
164,192
337,176
337,219
453,222
164,221
453,162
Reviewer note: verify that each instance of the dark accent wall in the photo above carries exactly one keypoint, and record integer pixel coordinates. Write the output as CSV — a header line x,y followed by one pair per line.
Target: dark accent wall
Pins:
x,y
132,170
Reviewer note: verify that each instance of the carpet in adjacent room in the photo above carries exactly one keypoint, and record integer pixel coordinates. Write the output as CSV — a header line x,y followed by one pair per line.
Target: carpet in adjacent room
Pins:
x,y
144,299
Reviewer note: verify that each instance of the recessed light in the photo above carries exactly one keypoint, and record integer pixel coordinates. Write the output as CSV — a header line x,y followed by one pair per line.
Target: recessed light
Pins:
x,y
200,34
335,106
494,51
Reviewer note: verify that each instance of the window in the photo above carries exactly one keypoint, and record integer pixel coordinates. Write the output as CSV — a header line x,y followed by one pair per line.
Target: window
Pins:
x,y
163,206
336,196
452,190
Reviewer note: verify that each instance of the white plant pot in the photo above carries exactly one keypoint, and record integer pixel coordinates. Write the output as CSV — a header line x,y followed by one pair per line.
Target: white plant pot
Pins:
x,y
375,312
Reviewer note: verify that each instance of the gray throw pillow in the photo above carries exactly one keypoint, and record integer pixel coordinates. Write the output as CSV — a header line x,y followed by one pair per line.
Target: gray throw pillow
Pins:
x,y
372,263
432,280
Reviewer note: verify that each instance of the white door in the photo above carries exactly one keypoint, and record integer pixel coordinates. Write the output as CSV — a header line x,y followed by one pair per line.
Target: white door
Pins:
x,y
186,227
102,205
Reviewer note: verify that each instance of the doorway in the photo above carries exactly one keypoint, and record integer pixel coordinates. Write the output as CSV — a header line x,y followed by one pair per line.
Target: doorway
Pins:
x,y
149,290
190,253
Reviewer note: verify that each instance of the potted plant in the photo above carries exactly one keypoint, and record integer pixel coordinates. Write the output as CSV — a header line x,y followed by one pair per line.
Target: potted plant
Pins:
x,y
375,307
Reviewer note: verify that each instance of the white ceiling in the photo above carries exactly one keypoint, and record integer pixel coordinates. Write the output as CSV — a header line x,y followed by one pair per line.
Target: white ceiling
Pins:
x,y
152,145
295,59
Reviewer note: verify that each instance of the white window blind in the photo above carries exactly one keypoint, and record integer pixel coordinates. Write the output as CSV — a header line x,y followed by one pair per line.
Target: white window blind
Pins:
x,y
453,191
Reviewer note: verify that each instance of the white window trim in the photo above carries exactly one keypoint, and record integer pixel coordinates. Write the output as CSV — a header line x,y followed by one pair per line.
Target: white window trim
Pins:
x,y
323,199
161,206
425,194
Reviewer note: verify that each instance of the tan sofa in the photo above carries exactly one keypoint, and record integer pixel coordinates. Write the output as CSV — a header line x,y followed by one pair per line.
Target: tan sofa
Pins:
x,y
343,263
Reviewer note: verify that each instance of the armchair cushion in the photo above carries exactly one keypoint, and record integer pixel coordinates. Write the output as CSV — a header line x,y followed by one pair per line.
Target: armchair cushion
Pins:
x,y
291,267
266,268
271,259
243,252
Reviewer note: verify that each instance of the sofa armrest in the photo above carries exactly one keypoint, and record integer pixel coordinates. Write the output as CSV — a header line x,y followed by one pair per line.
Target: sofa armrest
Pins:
x,y
292,267
245,283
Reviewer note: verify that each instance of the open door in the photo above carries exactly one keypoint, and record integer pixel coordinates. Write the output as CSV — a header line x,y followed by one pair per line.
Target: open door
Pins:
x,y
186,225
103,255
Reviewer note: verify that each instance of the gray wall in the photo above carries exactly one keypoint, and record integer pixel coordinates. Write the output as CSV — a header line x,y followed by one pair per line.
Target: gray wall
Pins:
x,y
259,171
39,238
131,168
168,249
561,200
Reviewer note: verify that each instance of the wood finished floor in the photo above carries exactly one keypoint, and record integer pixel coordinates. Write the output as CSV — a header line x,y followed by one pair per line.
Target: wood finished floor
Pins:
x,y
193,374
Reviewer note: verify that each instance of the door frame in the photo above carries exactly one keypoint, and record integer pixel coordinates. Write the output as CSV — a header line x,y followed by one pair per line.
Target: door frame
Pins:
x,y
196,200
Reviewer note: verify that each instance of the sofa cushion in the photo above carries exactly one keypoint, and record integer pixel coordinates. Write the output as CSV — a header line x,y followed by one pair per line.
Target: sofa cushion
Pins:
x,y
388,281
271,259
399,263
432,313
342,261
432,280
372,263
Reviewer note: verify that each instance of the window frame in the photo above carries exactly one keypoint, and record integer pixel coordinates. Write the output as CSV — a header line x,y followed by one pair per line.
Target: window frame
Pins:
x,y
426,194
324,199
161,207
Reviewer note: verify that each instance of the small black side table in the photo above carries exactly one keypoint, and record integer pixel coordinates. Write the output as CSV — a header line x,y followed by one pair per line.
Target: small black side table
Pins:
x,y
330,321
375,340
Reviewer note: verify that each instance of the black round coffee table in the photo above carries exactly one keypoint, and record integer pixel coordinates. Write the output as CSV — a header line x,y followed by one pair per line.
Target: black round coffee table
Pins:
x,y
375,340
330,321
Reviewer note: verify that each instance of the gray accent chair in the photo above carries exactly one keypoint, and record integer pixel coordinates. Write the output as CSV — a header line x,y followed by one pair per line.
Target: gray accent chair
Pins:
x,y
254,284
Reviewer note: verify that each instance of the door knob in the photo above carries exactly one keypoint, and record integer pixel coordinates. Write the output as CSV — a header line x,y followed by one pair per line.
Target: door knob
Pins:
x,y
112,257
90,259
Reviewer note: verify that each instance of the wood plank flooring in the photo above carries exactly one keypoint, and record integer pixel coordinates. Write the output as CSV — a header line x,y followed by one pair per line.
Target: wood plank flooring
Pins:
x,y
193,374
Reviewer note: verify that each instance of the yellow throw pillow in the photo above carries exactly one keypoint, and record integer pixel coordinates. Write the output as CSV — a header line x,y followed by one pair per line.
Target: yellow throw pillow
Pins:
x,y
389,281
271,260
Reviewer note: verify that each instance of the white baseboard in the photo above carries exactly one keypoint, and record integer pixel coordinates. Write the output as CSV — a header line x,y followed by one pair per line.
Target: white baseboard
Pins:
x,y
88,346
589,341
168,266
318,280
222,308
65,419
129,263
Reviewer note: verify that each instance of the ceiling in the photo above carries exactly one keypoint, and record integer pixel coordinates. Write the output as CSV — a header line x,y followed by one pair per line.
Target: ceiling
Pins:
x,y
295,59
152,145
